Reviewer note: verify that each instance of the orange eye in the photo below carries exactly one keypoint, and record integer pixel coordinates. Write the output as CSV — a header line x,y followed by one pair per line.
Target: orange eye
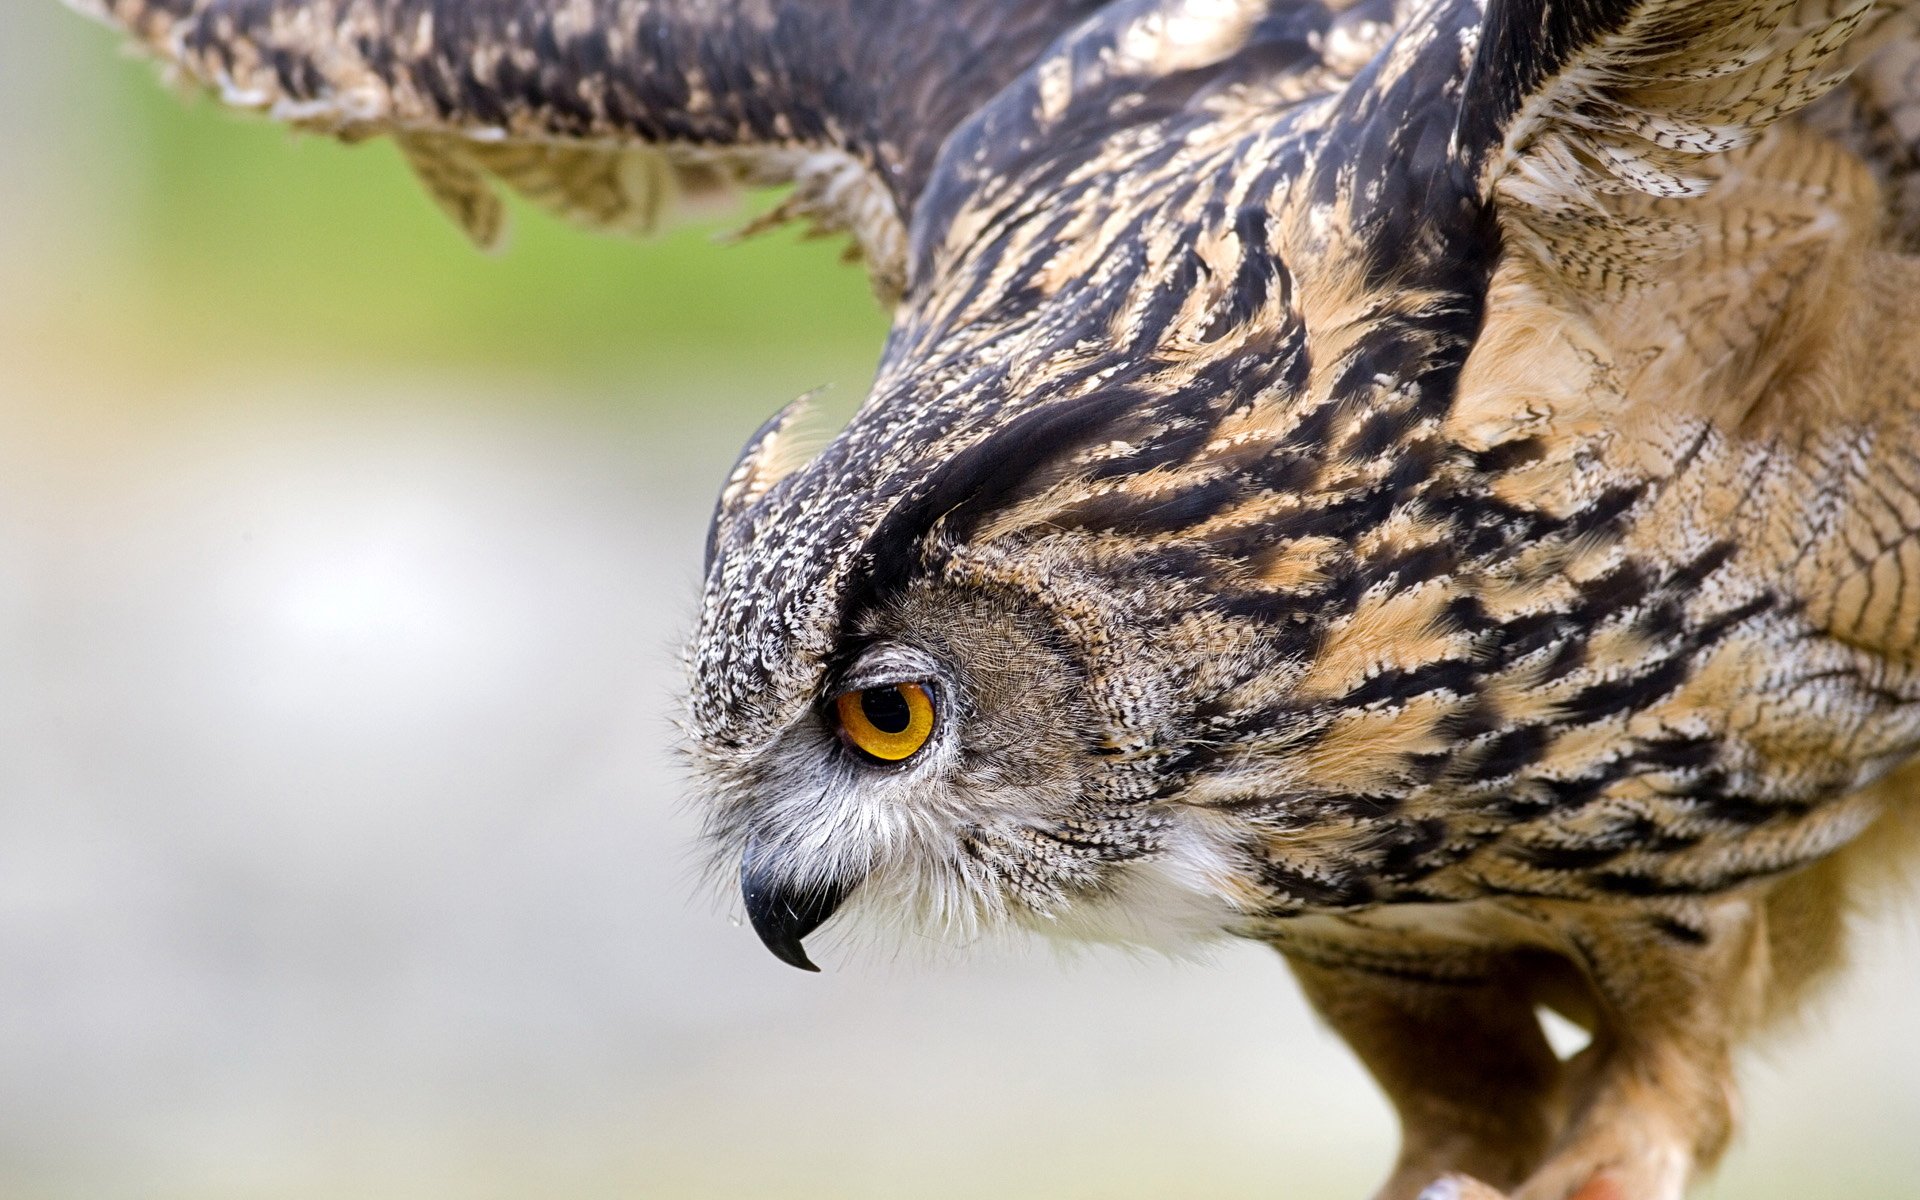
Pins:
x,y
890,723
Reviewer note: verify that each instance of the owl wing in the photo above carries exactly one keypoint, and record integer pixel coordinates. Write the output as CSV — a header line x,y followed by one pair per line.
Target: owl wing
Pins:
x,y
1876,112
606,111
1653,196
1573,101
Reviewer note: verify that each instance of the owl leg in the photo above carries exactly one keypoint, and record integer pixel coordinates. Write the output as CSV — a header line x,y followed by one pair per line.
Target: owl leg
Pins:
x,y
1461,1058
1652,1096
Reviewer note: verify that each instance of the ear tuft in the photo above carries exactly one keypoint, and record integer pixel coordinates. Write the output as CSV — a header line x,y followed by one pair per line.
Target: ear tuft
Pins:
x,y
768,457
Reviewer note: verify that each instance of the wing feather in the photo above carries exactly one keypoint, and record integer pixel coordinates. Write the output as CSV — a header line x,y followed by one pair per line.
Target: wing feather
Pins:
x,y
1630,95
1876,112
608,112
1674,245
1574,108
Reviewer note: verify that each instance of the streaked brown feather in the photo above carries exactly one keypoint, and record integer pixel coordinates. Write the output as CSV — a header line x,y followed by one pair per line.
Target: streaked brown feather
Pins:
x,y
1432,481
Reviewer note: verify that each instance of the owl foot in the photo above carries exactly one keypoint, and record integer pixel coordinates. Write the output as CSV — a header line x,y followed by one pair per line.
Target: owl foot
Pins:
x,y
1643,1180
1604,1186
1460,1187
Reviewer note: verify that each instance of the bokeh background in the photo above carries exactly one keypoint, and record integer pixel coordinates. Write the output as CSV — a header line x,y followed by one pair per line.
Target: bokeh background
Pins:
x,y
342,848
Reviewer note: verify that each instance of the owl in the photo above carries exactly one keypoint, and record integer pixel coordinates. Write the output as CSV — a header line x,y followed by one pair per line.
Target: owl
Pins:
x,y
1429,485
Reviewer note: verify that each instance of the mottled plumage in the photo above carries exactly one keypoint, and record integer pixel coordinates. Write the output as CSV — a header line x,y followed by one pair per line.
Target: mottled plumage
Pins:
x,y
1431,488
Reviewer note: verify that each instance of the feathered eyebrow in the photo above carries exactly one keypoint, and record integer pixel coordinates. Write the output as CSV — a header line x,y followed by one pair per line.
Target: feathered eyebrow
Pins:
x,y
959,491
868,662
1045,445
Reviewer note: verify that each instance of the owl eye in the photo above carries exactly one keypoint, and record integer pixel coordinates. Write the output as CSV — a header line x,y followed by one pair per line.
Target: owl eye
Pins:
x,y
889,723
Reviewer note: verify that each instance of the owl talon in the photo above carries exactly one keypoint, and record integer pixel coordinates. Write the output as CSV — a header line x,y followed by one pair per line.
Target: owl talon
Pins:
x,y
1604,1186
1463,1187
1607,1183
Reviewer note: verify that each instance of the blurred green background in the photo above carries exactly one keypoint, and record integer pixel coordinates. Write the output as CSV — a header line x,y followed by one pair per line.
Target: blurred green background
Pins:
x,y
342,575
237,238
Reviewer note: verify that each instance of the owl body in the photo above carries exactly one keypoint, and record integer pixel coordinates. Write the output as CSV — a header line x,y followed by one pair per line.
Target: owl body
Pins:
x,y
1426,485
1357,638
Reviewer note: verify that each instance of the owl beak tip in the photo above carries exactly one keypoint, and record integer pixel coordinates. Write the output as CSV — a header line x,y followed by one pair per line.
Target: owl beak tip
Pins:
x,y
784,915
792,953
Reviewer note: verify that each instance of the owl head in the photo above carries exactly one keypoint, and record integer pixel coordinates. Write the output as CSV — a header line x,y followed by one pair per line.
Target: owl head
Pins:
x,y
974,744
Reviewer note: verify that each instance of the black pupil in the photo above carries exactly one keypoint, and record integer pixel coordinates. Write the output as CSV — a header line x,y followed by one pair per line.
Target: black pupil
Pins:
x,y
886,708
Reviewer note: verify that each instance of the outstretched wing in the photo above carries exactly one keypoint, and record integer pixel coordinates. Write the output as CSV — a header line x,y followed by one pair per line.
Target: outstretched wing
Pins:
x,y
605,110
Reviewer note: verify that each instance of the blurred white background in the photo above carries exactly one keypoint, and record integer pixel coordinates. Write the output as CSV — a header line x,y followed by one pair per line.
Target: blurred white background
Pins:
x,y
342,845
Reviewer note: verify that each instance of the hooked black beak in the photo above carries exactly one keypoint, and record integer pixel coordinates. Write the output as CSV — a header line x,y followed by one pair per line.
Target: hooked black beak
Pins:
x,y
782,914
